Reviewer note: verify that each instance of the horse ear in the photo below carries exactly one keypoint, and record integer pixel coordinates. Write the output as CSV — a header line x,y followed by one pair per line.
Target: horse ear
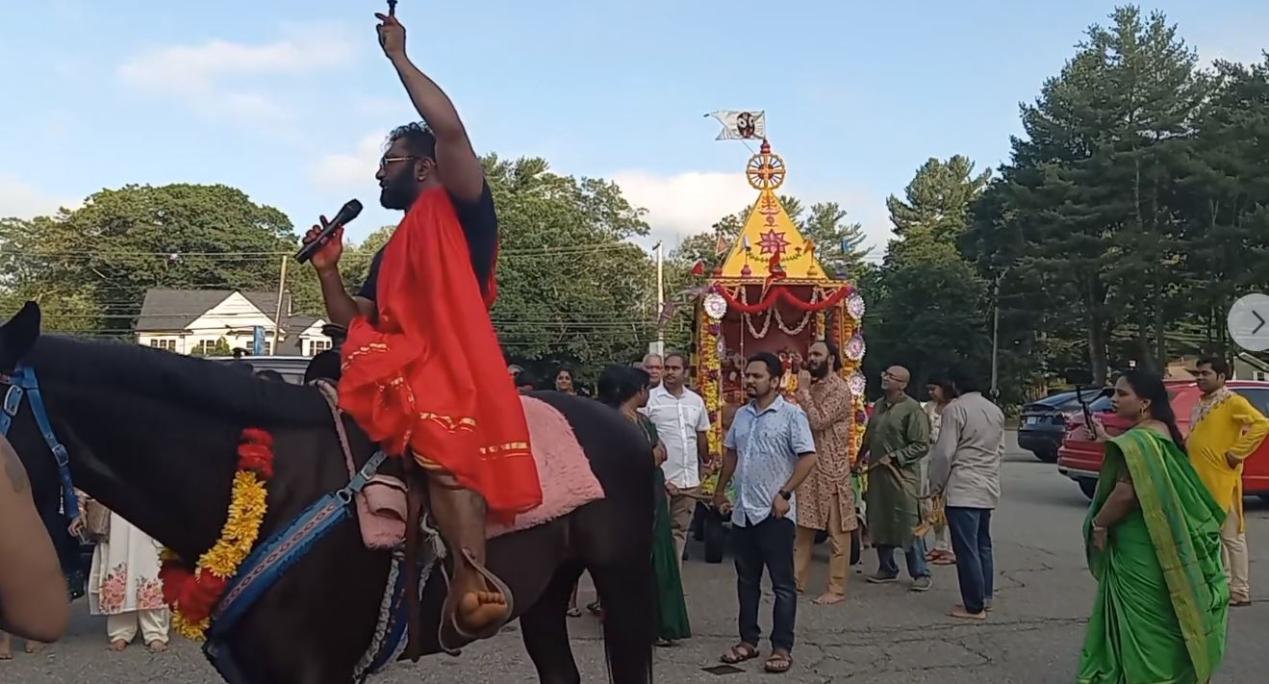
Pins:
x,y
18,335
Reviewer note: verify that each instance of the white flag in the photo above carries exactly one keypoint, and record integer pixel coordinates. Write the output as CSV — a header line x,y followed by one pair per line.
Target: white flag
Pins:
x,y
742,125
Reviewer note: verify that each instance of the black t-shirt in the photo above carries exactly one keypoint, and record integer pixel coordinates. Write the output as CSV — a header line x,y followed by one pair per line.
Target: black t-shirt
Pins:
x,y
480,225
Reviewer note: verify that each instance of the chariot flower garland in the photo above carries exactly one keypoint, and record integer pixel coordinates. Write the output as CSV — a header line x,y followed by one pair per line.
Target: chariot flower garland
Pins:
x,y
193,595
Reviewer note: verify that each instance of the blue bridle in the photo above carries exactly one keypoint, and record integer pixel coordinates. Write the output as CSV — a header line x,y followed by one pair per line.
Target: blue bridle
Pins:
x,y
23,383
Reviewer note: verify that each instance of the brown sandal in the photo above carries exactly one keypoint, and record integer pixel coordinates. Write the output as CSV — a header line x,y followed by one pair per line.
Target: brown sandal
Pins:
x,y
739,653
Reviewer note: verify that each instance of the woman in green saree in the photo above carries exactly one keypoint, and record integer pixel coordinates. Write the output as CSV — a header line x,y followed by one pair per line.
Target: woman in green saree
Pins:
x,y
1153,542
626,390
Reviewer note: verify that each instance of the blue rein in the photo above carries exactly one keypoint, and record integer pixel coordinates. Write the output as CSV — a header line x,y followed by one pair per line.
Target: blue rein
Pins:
x,y
23,383
270,560
267,562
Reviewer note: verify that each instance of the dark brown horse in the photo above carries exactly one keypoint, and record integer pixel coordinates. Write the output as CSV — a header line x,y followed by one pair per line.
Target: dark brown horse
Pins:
x,y
153,436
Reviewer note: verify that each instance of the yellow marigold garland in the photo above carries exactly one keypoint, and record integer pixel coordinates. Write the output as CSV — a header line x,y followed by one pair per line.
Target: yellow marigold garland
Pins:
x,y
193,595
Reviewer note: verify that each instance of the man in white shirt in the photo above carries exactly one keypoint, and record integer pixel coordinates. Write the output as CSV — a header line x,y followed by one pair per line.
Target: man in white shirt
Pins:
x,y
655,365
682,422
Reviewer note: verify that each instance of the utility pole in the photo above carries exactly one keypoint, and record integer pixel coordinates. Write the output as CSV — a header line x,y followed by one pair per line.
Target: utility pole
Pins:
x,y
277,319
660,248
995,336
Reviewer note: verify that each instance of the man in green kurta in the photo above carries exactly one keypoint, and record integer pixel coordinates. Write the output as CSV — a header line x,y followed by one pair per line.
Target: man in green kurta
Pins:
x,y
897,438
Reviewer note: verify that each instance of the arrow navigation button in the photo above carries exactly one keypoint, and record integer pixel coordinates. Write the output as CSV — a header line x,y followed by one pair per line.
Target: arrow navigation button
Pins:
x,y
1247,322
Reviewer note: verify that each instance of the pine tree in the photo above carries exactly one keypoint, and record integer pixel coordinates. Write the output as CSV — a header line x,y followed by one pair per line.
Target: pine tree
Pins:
x,y
839,243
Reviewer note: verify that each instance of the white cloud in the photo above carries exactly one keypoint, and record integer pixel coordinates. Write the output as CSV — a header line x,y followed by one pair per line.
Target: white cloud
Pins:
x,y
685,204
222,77
22,200
349,170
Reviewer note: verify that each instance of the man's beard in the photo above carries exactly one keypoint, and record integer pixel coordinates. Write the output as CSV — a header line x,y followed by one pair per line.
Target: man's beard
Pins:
x,y
819,371
395,197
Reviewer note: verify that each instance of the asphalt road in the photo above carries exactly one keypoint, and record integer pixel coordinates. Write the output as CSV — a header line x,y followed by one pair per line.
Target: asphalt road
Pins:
x,y
881,635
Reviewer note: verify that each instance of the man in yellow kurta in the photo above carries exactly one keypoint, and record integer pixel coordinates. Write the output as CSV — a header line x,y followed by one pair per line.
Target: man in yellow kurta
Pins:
x,y
1224,430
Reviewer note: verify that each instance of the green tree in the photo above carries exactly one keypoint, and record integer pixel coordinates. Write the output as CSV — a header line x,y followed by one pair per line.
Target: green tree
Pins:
x,y
839,243
571,286
1086,192
927,302
1223,200
936,204
91,267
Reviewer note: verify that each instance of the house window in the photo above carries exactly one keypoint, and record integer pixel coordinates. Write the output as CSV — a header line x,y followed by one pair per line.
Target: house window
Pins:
x,y
316,347
164,344
1262,376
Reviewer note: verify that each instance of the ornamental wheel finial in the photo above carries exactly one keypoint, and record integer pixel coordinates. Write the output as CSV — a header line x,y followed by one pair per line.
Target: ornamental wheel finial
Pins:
x,y
765,170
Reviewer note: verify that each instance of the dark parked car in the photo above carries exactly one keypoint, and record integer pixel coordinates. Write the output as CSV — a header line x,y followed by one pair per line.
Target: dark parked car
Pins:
x,y
291,368
1043,422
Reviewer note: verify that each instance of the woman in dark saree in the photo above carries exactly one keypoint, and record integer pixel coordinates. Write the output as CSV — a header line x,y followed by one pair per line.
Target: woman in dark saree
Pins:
x,y
626,390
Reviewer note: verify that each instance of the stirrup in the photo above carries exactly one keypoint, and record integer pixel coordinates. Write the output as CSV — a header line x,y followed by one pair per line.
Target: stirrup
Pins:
x,y
449,610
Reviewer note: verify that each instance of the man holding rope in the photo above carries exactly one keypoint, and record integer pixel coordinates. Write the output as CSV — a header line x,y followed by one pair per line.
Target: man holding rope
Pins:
x,y
965,471
897,439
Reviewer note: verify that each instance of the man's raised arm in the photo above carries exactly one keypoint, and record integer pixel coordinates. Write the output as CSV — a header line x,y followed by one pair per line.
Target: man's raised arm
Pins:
x,y
457,165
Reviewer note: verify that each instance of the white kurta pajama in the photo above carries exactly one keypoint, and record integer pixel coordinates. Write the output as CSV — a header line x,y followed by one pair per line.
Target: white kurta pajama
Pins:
x,y
124,585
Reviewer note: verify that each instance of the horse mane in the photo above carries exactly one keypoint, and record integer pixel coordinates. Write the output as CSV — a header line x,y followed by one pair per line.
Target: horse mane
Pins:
x,y
209,386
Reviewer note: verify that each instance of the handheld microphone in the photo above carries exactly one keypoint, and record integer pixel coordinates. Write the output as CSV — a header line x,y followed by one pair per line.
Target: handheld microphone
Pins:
x,y
346,214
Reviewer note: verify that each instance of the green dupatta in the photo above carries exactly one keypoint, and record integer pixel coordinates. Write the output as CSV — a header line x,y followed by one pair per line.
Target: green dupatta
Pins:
x,y
1182,524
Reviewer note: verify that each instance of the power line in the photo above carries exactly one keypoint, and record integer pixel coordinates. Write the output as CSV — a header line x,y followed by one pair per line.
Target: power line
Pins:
x,y
549,250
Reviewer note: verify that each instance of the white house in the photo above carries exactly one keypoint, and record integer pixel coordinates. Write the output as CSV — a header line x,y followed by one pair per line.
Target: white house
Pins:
x,y
215,322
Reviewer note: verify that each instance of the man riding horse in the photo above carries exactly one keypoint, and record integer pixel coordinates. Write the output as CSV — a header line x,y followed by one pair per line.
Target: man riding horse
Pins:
x,y
422,370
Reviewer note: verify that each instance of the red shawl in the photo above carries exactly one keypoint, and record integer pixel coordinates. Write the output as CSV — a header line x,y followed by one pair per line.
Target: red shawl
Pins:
x,y
430,375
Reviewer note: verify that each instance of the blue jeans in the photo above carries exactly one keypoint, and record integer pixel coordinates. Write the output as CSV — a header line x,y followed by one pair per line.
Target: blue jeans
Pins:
x,y
915,556
769,544
971,542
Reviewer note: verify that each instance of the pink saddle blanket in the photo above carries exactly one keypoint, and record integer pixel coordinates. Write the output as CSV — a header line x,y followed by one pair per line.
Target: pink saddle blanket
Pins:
x,y
563,470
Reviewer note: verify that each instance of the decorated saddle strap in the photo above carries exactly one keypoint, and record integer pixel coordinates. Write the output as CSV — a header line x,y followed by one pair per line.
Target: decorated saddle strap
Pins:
x,y
389,639
271,560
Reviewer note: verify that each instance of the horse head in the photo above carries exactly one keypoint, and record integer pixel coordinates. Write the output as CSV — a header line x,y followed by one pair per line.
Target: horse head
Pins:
x,y
17,337
100,433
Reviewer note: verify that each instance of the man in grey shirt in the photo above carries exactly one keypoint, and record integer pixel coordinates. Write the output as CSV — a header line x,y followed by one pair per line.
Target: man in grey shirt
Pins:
x,y
965,470
770,450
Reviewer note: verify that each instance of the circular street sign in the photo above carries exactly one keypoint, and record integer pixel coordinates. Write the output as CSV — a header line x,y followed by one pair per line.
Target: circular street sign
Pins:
x,y
1248,322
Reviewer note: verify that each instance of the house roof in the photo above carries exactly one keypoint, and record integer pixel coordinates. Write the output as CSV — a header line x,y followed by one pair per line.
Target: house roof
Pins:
x,y
170,310
1253,361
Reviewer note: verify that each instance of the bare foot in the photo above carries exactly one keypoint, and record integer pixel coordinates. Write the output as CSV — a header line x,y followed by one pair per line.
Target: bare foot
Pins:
x,y
986,607
478,610
6,652
828,598
34,646
157,646
118,645
960,612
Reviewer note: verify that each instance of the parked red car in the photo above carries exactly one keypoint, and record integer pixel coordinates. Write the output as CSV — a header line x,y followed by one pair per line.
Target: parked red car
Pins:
x,y
1080,457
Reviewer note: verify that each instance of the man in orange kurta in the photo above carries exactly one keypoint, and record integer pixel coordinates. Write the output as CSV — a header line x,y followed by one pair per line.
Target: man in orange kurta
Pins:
x,y
423,373
1224,430
826,500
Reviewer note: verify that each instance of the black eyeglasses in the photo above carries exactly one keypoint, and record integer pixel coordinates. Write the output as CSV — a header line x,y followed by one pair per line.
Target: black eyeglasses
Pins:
x,y
383,163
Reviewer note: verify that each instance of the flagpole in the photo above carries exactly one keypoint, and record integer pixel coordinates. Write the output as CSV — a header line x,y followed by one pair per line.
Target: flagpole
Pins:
x,y
660,297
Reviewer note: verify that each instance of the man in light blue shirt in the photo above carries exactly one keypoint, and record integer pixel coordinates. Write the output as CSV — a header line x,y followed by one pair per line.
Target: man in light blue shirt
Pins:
x,y
769,450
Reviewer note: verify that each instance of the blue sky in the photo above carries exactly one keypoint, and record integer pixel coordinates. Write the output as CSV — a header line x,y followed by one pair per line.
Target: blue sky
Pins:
x,y
289,99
